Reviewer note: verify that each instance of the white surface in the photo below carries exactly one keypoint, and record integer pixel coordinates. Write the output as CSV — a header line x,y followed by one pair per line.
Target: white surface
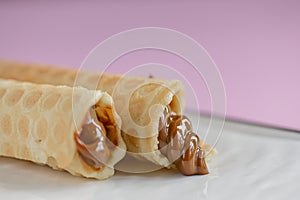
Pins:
x,y
253,163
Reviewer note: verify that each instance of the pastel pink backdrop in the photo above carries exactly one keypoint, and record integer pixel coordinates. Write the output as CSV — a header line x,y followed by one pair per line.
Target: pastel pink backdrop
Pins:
x,y
255,44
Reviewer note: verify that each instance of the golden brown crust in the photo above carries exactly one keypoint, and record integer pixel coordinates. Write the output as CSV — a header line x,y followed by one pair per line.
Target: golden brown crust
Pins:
x,y
37,123
135,98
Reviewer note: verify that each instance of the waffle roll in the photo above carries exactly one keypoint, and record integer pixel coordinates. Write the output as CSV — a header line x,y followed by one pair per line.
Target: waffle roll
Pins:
x,y
44,124
139,101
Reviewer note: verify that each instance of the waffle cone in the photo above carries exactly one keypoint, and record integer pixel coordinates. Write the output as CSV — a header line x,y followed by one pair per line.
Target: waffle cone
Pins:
x,y
38,122
139,101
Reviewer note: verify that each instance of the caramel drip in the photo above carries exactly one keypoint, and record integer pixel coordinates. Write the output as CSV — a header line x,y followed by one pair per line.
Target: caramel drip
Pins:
x,y
91,142
180,144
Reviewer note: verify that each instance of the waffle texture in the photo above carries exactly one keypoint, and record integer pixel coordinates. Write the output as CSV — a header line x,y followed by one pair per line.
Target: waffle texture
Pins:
x,y
38,122
139,101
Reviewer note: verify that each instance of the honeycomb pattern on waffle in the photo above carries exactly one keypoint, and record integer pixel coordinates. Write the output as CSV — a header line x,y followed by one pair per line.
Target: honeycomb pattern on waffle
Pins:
x,y
34,122
136,112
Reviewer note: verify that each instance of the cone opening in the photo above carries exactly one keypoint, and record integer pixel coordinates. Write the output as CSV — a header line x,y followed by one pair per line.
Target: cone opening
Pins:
x,y
98,137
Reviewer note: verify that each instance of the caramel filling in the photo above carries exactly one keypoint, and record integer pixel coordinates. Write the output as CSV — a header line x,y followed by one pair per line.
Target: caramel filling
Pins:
x,y
92,142
180,144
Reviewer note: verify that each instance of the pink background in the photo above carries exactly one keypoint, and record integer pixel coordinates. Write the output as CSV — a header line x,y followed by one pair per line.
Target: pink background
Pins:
x,y
255,44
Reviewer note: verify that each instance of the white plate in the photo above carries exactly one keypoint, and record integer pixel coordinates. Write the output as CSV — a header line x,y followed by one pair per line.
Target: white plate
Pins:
x,y
253,163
